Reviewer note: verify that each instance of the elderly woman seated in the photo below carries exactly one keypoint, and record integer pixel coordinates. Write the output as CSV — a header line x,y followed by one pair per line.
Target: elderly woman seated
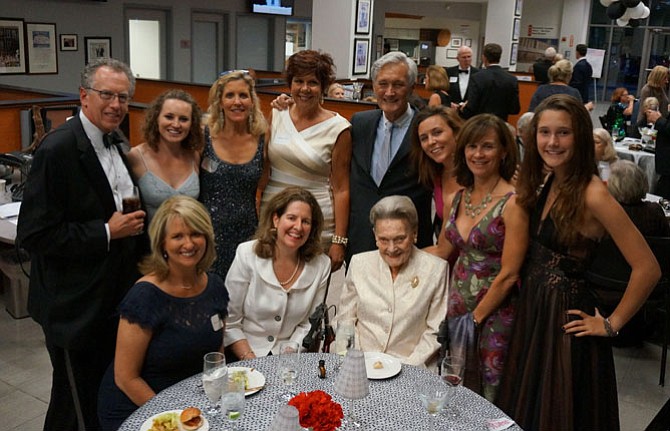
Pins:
x,y
396,294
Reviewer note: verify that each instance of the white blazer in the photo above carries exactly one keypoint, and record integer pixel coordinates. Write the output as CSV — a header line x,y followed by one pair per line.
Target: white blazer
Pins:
x,y
399,317
261,310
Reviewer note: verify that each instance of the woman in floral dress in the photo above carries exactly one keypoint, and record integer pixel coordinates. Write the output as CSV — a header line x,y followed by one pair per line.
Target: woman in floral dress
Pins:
x,y
490,232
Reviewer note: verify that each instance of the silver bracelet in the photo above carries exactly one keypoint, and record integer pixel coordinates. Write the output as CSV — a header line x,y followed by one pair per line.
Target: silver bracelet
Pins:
x,y
341,240
608,328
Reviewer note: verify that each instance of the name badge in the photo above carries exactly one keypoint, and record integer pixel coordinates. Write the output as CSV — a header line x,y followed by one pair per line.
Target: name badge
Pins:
x,y
453,79
217,323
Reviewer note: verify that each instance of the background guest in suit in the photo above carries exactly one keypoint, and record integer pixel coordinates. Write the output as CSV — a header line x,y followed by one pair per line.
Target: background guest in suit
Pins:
x,y
662,155
399,278
542,65
83,248
582,73
459,76
492,90
380,163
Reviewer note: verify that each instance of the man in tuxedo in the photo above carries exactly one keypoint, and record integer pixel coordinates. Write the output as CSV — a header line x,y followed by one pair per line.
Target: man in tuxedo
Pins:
x,y
459,76
83,248
380,164
492,90
582,73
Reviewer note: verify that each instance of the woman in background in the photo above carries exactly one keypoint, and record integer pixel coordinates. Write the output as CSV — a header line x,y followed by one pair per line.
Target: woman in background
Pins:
x,y
171,317
433,146
232,163
656,85
559,372
621,109
166,163
559,79
277,280
310,147
336,91
490,233
437,81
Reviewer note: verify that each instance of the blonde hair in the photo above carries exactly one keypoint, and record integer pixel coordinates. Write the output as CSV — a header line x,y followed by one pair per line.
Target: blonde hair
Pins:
x,y
561,71
657,77
437,78
610,153
257,124
195,216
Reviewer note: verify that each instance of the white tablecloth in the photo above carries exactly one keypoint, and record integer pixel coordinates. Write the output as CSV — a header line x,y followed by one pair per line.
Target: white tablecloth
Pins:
x,y
641,158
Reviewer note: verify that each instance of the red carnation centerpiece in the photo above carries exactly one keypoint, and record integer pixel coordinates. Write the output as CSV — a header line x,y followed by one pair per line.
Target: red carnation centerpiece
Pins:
x,y
318,410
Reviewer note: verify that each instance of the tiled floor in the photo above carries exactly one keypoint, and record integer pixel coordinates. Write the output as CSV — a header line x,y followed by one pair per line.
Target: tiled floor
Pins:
x,y
25,379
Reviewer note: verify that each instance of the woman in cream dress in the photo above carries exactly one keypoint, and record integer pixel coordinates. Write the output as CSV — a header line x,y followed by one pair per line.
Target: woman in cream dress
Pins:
x,y
310,147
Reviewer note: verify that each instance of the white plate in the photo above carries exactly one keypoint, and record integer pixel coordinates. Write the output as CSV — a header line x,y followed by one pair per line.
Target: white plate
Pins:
x,y
256,378
146,426
391,368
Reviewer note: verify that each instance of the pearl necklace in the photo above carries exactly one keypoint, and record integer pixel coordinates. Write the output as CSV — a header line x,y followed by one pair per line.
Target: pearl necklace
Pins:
x,y
474,211
295,271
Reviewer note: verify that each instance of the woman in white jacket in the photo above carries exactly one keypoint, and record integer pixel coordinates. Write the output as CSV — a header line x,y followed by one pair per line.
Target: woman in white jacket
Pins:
x,y
279,278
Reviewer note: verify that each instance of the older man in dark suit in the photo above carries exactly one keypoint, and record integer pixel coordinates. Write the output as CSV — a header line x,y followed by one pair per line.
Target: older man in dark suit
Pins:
x,y
83,248
492,90
459,76
380,163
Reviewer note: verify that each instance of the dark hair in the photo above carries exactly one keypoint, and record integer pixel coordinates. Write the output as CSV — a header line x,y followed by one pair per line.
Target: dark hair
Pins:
x,y
581,49
492,52
475,129
266,234
309,61
427,168
568,211
150,130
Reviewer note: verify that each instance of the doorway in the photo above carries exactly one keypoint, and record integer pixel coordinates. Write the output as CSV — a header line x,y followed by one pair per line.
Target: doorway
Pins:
x,y
147,42
208,49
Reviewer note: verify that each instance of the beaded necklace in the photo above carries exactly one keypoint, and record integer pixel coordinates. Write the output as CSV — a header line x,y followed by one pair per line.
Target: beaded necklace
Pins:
x,y
474,211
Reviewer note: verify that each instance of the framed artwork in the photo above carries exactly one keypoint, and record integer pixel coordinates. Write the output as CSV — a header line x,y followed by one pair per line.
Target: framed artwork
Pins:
x,y
513,54
97,47
452,53
517,29
468,43
517,7
362,16
456,42
12,46
361,56
41,39
379,45
68,42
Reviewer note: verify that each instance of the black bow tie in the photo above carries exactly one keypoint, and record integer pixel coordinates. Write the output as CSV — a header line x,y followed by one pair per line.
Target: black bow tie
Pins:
x,y
466,71
110,139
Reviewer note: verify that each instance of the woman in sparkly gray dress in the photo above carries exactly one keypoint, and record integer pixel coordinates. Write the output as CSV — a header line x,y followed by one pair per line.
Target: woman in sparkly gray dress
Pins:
x,y
233,163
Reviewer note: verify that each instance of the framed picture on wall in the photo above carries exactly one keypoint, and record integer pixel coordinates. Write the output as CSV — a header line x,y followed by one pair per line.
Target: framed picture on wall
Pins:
x,y
517,7
361,56
517,29
68,42
513,53
97,47
456,42
41,39
12,48
452,53
363,17
468,42
379,45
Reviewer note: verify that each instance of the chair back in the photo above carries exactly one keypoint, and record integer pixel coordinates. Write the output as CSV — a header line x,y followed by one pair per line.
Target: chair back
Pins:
x,y
609,269
660,246
604,122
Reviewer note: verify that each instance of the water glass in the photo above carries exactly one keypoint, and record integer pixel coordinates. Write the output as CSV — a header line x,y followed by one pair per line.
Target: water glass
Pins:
x,y
214,375
345,336
433,396
232,400
289,365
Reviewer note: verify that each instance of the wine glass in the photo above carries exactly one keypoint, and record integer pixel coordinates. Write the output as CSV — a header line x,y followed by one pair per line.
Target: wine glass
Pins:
x,y
131,200
214,376
453,370
289,364
232,401
345,339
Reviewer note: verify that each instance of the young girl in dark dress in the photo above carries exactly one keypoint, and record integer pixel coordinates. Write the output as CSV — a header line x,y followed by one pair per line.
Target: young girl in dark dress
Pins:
x,y
560,371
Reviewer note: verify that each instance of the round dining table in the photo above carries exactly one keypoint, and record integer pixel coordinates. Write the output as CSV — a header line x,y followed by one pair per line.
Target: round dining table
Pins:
x,y
392,403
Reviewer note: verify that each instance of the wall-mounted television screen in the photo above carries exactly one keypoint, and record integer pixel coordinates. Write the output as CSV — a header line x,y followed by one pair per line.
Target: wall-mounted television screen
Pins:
x,y
273,7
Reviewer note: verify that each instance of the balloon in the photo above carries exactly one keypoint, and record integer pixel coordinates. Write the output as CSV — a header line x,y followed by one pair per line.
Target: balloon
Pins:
x,y
637,11
630,3
606,2
616,10
634,22
622,22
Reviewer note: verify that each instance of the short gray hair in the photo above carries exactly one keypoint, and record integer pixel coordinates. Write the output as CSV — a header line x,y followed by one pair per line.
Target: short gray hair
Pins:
x,y
550,53
395,57
395,207
523,122
627,183
91,68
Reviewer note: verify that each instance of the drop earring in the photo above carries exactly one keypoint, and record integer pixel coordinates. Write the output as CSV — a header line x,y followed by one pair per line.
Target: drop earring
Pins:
x,y
165,255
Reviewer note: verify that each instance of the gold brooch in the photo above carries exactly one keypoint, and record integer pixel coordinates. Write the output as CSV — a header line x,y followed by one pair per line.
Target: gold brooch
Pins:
x,y
415,282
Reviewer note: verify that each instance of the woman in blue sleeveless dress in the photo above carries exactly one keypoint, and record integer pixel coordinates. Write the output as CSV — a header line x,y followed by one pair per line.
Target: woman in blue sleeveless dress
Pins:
x,y
232,163
491,238
166,163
